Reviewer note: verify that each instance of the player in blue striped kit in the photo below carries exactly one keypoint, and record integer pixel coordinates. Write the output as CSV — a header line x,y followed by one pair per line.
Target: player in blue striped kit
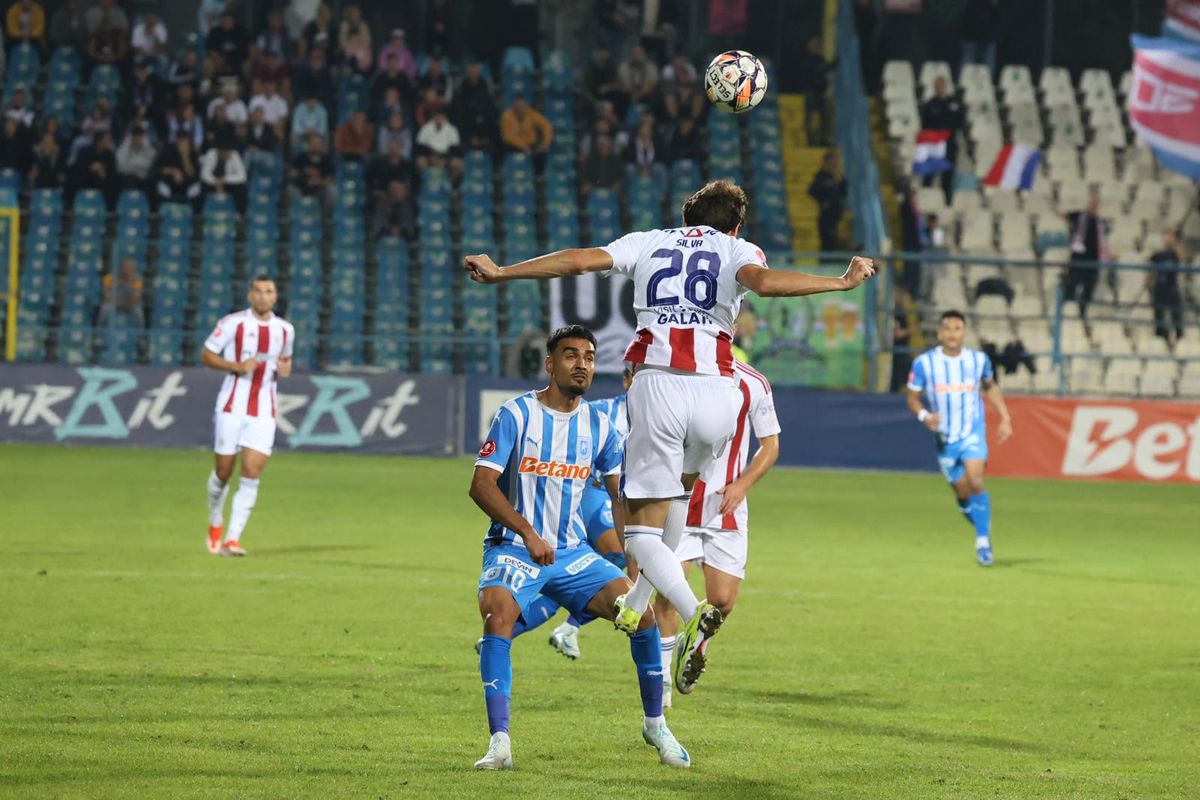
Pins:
x,y
946,389
542,450
597,511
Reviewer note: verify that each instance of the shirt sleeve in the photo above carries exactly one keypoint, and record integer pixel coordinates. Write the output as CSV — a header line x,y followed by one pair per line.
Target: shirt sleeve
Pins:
x,y
625,253
748,253
221,336
289,342
986,373
916,376
609,459
763,419
501,439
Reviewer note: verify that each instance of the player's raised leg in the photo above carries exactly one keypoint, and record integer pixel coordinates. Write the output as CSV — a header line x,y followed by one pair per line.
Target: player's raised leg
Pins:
x,y
244,499
499,611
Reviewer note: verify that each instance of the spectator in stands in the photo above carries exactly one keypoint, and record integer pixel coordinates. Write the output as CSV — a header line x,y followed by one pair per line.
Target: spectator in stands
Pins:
x,y
396,131
638,76
14,145
474,110
185,69
98,121
355,137
68,27
901,340
216,127
397,50
177,175
122,303
229,43
866,25
311,173
600,80
208,14
1163,284
438,19
395,214
686,142
605,124
141,101
185,124
271,69
429,103
438,144
686,102
319,34
814,82
1088,246
354,40
646,150
18,110
828,188
229,101
185,95
49,169
275,40
108,40
980,24
55,129
391,79
390,105
313,77
136,158
524,130
677,73
273,106
223,172
611,24
310,117
394,165
25,23
95,167
603,168
944,112
436,80
262,141
149,40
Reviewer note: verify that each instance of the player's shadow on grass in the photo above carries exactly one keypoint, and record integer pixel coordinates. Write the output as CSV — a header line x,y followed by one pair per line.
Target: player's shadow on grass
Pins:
x,y
1005,563
846,699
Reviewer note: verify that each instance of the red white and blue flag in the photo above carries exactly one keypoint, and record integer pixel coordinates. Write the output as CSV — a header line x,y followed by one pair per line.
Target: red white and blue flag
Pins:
x,y
930,153
1182,19
1164,101
1015,167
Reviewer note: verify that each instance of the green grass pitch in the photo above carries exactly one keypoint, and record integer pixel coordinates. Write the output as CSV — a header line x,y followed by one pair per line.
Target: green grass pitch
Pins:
x,y
869,657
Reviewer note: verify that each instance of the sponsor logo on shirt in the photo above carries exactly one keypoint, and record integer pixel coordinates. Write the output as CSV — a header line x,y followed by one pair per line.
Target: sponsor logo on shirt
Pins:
x,y
951,388
488,448
554,469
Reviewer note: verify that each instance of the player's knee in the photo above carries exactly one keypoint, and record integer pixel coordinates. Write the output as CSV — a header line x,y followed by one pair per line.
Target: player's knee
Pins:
x,y
975,484
649,620
724,605
498,621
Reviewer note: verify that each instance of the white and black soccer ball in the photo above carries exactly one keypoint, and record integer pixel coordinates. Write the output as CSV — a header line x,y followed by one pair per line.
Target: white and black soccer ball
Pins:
x,y
735,81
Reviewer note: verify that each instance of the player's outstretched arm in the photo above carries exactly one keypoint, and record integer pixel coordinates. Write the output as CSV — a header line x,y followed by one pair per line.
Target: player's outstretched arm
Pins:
x,y
495,504
213,361
764,458
576,261
991,391
783,283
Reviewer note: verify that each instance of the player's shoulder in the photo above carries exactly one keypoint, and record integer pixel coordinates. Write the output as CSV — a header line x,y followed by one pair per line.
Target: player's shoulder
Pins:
x,y
755,380
283,323
520,405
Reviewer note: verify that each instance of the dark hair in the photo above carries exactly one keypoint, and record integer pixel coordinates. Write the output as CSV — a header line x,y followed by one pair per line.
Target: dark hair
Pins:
x,y
568,332
954,314
260,278
720,205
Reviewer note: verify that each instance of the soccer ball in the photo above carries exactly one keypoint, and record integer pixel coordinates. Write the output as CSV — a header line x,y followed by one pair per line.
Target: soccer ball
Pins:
x,y
735,81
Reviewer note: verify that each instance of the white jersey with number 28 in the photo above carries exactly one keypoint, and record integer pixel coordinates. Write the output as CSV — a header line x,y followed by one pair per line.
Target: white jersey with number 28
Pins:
x,y
686,295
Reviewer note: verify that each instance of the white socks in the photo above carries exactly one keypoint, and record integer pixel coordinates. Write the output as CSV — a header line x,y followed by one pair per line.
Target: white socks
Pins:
x,y
243,504
982,541
668,651
217,492
639,596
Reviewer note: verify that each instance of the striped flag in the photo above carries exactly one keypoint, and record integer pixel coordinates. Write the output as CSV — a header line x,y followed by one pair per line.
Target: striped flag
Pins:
x,y
1181,20
930,153
1015,167
1164,101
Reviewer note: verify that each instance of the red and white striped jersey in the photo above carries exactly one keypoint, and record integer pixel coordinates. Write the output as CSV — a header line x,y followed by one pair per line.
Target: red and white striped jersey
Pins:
x,y
758,410
686,295
241,336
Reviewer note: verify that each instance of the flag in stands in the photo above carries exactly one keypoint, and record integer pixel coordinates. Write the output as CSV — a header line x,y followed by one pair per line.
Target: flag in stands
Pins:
x,y
929,154
1015,167
1164,101
1182,19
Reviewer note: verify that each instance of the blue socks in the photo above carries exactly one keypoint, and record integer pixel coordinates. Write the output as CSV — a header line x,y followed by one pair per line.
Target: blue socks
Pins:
x,y
495,668
539,611
646,649
978,510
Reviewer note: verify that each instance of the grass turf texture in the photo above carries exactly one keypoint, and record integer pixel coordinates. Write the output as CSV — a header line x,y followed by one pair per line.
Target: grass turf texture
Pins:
x,y
868,657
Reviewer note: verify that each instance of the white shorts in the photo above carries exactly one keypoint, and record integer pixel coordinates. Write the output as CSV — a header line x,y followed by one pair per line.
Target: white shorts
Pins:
x,y
234,431
678,423
721,550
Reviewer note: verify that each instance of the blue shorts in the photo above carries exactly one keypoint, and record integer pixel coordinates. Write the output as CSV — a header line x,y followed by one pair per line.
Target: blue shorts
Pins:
x,y
575,577
596,510
952,458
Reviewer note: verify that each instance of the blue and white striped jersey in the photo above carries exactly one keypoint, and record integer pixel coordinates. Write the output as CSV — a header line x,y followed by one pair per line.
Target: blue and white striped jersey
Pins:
x,y
952,388
614,409
545,459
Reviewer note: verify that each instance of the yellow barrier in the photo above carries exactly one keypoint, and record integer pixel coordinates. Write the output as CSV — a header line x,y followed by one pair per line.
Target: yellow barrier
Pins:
x,y
13,215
